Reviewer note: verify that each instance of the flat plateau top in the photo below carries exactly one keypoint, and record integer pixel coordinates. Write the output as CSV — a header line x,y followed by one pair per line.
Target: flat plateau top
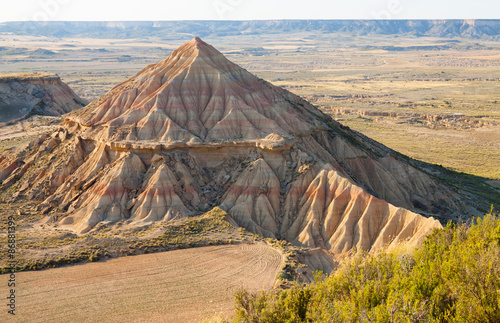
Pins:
x,y
7,77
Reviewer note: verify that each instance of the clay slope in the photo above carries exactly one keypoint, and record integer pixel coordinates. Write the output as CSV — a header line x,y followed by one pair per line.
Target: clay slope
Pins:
x,y
195,96
196,131
23,95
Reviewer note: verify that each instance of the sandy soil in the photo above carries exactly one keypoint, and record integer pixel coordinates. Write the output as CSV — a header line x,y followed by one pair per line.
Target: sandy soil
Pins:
x,y
178,286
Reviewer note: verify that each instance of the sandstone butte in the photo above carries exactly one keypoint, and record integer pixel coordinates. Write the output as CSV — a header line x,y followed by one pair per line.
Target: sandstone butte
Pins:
x,y
196,131
26,94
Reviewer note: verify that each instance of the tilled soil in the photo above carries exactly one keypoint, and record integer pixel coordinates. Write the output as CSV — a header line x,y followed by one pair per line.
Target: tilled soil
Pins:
x,y
177,286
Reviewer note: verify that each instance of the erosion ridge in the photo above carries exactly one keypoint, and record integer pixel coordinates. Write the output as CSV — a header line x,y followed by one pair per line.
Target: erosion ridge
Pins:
x,y
196,131
196,95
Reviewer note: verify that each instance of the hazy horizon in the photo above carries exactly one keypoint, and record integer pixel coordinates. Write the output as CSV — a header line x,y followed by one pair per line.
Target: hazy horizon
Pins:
x,y
157,10
236,20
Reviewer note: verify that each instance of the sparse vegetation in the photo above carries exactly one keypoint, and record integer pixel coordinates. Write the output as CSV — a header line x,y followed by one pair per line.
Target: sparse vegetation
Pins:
x,y
26,76
50,247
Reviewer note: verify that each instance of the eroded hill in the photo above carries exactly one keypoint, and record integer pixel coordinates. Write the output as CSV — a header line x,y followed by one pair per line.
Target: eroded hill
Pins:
x,y
23,95
196,131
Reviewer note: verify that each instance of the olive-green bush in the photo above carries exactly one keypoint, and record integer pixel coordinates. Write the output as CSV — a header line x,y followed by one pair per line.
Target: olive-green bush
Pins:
x,y
453,277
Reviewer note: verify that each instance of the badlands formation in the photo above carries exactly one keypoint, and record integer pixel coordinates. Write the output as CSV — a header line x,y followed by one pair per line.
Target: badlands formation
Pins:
x,y
23,95
196,131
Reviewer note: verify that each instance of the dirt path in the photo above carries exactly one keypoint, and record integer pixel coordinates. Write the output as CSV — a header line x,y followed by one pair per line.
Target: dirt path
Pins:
x,y
176,286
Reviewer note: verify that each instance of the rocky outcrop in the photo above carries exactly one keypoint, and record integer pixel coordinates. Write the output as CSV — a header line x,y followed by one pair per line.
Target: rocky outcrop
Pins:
x,y
454,120
196,131
23,95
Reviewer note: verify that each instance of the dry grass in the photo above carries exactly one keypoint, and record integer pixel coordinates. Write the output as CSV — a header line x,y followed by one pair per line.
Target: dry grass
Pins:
x,y
474,151
47,246
6,77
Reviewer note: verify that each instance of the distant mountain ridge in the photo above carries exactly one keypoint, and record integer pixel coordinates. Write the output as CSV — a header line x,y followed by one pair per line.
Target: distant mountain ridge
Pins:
x,y
467,28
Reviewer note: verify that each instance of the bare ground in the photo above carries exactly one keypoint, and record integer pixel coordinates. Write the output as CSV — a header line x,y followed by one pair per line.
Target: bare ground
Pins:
x,y
177,286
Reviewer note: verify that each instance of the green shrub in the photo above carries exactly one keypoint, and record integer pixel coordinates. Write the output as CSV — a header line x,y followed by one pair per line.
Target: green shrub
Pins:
x,y
453,277
287,307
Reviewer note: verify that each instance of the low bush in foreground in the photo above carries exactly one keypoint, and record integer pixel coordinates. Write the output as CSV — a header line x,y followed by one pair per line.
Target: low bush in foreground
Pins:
x,y
453,277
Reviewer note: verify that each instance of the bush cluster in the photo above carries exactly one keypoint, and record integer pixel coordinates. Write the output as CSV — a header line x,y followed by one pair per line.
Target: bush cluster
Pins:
x,y
453,277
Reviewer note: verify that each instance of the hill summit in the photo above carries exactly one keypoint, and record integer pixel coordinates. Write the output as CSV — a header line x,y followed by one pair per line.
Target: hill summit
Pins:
x,y
196,131
196,96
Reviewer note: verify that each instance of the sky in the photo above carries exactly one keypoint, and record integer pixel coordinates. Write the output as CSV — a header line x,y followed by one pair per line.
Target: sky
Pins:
x,y
116,10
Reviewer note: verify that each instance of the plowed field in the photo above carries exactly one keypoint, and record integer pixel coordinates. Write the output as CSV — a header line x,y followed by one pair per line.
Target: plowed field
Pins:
x,y
177,286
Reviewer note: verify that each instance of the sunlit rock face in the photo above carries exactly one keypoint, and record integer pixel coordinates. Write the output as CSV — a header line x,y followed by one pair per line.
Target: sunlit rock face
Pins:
x,y
196,131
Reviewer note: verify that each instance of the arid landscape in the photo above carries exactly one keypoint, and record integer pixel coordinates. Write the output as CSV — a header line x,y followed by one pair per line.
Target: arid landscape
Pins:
x,y
207,169
178,286
434,91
